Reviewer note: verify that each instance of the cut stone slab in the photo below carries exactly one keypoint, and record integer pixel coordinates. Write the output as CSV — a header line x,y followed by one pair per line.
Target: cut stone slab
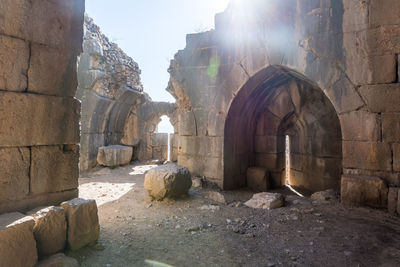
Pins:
x,y
258,179
114,155
169,180
59,260
83,222
364,190
50,230
393,199
329,194
265,200
17,244
216,197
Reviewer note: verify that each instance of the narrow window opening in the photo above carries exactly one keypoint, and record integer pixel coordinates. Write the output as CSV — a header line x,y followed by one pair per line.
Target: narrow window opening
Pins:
x,y
165,126
288,166
287,159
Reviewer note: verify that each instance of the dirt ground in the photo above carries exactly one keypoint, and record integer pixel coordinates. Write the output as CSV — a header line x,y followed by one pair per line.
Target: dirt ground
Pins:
x,y
196,231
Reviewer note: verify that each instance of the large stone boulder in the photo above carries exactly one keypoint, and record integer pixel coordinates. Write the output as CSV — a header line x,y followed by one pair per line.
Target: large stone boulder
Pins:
x,y
58,260
17,244
50,230
265,200
83,222
169,180
112,156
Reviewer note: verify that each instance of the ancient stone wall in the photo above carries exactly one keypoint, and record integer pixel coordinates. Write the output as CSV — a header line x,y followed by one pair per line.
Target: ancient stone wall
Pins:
x,y
347,49
39,116
109,87
115,109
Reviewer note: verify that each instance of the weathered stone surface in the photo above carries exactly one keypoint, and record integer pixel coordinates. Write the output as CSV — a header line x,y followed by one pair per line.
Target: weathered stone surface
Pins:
x,y
50,230
168,180
398,202
257,179
329,194
52,71
187,124
391,127
364,190
14,54
54,168
375,155
59,260
14,177
396,157
114,155
215,196
159,139
360,126
17,244
382,97
82,221
393,199
384,12
265,200
197,182
29,119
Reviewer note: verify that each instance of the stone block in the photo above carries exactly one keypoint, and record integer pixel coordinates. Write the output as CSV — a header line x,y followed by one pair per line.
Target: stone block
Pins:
x,y
14,177
382,97
50,230
257,179
159,139
364,190
17,12
52,71
265,200
56,23
367,155
384,12
14,54
360,126
17,244
58,260
187,124
168,180
82,221
54,168
391,127
215,196
393,199
114,155
396,157
29,120
216,124
382,69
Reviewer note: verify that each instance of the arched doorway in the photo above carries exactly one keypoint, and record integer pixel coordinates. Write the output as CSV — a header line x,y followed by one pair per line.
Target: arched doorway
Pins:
x,y
277,104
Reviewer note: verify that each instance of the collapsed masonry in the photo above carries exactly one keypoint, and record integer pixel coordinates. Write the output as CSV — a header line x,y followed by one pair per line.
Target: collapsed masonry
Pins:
x,y
115,110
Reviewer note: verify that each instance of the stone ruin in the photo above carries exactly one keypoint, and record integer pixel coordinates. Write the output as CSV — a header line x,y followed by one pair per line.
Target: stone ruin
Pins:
x,y
115,110
324,73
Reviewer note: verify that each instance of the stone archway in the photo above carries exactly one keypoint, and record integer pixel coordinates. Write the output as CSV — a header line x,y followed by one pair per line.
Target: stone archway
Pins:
x,y
274,103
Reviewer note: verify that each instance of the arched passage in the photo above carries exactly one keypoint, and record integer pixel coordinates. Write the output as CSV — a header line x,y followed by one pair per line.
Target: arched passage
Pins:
x,y
274,103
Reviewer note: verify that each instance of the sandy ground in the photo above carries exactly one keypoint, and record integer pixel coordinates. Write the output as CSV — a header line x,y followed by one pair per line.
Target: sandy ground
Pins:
x,y
195,231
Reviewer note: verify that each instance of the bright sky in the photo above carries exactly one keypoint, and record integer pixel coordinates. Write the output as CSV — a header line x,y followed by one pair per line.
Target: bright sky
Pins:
x,y
152,31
